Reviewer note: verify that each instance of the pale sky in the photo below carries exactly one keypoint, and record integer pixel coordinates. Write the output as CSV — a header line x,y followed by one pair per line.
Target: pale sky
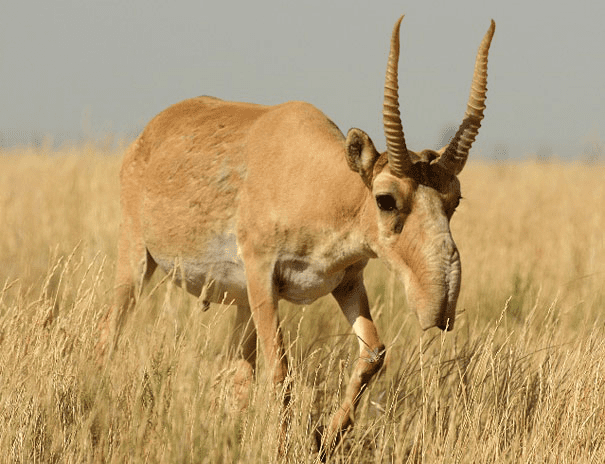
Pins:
x,y
71,69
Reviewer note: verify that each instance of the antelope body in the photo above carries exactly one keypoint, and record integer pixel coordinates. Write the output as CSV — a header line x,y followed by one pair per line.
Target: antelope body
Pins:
x,y
247,204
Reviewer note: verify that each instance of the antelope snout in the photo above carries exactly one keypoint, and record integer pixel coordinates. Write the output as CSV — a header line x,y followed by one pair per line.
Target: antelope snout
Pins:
x,y
441,291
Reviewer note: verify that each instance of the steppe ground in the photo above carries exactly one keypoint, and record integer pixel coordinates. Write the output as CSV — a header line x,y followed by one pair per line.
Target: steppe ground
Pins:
x,y
520,379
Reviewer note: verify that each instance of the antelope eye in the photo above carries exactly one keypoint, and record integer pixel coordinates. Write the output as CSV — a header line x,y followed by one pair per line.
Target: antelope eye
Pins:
x,y
386,202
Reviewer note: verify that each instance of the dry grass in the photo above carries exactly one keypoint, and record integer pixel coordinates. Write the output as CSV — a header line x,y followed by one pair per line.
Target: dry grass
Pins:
x,y
521,379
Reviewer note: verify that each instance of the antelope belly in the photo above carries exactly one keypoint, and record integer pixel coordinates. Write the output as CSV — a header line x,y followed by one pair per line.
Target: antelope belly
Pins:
x,y
302,283
216,274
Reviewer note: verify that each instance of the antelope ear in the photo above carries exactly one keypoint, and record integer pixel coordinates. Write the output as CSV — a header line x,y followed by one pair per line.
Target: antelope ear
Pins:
x,y
361,154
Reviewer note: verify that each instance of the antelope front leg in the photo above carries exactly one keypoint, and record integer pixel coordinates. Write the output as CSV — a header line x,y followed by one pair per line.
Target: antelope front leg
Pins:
x,y
243,349
352,299
263,305
264,314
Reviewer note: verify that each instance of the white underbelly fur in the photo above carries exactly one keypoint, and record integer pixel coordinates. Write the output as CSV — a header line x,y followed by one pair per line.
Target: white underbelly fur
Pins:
x,y
302,282
218,275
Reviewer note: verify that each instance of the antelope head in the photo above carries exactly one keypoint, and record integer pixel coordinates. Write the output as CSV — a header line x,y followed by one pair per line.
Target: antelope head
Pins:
x,y
414,195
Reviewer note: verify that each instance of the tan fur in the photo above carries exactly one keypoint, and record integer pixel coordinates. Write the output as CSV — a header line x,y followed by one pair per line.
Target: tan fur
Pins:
x,y
247,204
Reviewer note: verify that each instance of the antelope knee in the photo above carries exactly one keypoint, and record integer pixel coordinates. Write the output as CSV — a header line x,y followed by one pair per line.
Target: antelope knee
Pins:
x,y
372,362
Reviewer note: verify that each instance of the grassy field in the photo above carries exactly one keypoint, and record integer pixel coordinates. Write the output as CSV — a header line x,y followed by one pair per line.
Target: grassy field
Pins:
x,y
520,379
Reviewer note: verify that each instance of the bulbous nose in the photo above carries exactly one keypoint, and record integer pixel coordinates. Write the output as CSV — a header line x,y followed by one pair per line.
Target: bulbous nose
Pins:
x,y
442,287
443,320
446,325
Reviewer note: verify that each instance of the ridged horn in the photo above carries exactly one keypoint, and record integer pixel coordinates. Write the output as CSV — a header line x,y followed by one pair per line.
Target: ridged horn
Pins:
x,y
455,155
397,152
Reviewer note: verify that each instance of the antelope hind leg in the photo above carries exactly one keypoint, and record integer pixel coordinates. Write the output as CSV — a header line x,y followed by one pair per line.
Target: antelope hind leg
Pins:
x,y
134,268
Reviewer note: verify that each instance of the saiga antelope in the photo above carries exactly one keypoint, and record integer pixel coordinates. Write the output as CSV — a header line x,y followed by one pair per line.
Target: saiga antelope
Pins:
x,y
248,204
